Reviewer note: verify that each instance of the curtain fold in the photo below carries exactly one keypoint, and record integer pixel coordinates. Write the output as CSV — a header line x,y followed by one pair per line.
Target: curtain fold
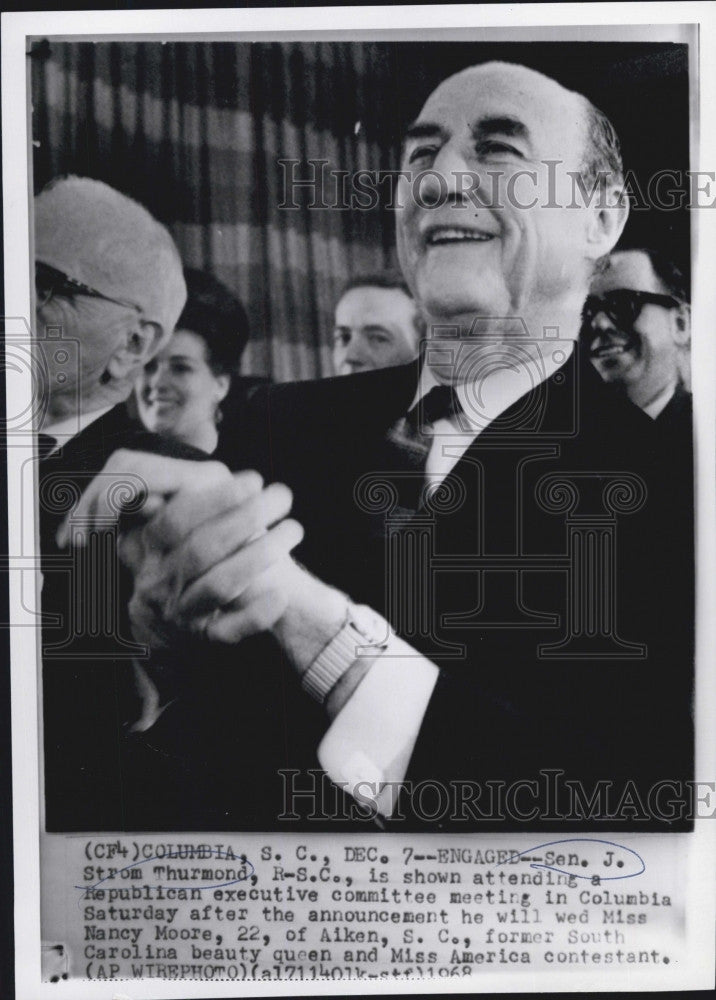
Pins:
x,y
196,132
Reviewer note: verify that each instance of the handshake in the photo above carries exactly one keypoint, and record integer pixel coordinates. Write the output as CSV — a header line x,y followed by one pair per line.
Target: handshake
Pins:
x,y
210,554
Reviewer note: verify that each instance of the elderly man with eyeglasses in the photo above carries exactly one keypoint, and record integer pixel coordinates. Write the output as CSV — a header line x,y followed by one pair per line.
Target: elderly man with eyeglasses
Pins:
x,y
108,282
109,289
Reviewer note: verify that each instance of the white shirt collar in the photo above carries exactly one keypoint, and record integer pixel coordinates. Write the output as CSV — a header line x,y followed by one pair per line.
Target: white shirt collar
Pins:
x,y
660,402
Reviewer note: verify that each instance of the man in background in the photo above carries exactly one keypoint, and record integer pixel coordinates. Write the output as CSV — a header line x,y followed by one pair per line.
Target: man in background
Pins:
x,y
377,324
637,332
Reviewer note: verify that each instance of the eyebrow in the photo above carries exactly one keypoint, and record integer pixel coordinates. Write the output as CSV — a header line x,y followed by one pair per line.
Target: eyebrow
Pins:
x,y
502,125
423,130
491,125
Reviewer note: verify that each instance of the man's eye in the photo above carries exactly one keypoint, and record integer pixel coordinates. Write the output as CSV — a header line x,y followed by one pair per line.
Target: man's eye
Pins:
x,y
378,339
498,148
422,153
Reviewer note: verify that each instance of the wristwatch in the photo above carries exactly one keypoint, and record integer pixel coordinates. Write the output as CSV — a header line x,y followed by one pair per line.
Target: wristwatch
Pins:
x,y
363,634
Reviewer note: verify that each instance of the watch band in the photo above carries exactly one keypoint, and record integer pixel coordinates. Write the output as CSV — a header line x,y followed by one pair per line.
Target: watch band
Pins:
x,y
361,628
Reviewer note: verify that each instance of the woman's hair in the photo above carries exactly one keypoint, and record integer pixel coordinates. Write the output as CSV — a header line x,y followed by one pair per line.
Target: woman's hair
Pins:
x,y
218,317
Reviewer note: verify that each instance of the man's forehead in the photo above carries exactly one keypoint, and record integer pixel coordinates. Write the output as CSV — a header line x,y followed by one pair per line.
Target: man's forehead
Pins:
x,y
501,89
627,269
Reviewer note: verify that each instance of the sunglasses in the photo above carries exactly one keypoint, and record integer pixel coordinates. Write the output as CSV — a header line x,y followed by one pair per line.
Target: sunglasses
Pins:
x,y
51,283
623,305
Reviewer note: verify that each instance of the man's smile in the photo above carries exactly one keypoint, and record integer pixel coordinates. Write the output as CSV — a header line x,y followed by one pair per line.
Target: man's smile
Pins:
x,y
446,235
609,350
612,347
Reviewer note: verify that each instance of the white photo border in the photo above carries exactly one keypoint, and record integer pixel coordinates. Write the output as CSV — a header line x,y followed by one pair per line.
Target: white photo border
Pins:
x,y
608,22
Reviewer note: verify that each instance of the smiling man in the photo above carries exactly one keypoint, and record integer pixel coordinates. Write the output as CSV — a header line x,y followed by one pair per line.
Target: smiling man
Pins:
x,y
377,324
637,331
495,503
510,249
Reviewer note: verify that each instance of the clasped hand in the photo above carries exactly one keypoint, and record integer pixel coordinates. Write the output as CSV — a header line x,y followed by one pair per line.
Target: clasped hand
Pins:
x,y
210,551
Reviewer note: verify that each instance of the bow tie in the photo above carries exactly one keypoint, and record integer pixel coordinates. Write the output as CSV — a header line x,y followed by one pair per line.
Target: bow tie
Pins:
x,y
411,442
438,403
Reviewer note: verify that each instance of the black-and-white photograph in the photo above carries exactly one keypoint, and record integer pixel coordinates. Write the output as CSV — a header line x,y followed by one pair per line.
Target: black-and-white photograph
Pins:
x,y
362,486
436,296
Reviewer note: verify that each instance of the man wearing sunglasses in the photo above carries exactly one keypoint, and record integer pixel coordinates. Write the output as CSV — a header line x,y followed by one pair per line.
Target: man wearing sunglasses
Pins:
x,y
637,331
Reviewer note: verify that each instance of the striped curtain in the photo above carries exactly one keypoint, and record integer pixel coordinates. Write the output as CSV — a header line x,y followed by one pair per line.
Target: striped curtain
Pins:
x,y
196,132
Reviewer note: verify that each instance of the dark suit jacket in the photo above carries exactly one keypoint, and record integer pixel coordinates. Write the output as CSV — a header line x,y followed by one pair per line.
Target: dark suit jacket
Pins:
x,y
675,422
213,759
567,473
88,694
506,706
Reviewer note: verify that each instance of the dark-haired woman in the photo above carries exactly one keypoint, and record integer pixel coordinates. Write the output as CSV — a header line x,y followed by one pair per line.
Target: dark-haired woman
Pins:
x,y
182,388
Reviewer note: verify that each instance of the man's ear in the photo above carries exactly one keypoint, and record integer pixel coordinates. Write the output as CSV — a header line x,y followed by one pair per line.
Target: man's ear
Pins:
x,y
607,217
682,325
139,344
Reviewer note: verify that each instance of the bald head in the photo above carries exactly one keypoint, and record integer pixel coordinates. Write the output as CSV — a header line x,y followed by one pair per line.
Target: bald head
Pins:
x,y
601,149
104,239
545,95
112,284
496,230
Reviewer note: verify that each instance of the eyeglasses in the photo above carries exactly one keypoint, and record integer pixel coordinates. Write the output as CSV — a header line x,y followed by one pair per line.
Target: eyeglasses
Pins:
x,y
49,282
623,305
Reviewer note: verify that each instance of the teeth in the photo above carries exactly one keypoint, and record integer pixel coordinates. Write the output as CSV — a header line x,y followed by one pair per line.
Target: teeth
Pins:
x,y
603,352
449,235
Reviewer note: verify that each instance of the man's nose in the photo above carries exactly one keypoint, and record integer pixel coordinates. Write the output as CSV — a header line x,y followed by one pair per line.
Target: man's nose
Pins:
x,y
449,177
601,323
356,359
598,330
353,347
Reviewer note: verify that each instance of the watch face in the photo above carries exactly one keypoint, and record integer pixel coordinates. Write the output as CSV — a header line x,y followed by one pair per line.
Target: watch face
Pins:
x,y
373,629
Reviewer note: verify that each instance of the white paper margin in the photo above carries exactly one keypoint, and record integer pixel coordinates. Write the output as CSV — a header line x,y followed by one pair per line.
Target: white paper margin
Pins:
x,y
607,22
